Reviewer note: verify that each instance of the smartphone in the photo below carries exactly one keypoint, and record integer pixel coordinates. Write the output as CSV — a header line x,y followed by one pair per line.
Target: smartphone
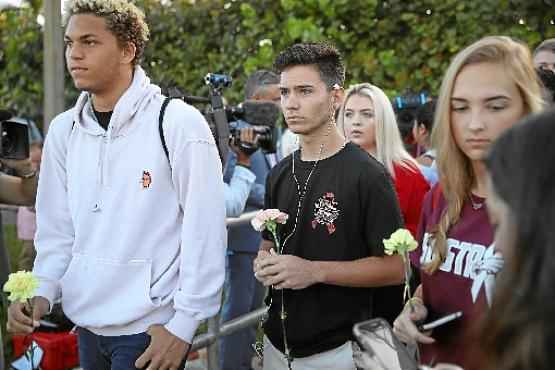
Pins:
x,y
381,348
441,321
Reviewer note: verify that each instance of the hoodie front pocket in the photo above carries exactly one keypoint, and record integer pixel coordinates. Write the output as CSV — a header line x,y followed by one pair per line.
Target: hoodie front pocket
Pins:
x,y
100,292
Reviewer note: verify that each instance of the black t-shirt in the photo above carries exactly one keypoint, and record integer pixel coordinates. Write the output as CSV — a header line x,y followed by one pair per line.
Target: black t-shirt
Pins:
x,y
349,208
103,118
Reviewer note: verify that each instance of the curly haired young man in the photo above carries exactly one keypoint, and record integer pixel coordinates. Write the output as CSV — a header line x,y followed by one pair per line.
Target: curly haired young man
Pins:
x,y
134,259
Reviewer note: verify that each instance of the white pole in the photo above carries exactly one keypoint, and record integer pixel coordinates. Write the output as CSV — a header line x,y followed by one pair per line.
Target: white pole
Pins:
x,y
53,62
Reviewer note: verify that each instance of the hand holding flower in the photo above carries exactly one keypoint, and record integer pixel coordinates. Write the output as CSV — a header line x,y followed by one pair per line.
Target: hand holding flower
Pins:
x,y
269,219
401,242
287,272
21,285
25,311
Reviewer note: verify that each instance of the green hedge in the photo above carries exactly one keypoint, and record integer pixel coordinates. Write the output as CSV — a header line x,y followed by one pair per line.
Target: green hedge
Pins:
x,y
395,44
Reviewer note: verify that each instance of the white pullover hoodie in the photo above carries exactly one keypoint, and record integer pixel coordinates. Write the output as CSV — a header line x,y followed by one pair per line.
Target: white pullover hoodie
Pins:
x,y
125,238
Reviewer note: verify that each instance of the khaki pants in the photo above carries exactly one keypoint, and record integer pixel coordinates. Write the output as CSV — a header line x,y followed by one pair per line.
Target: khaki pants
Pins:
x,y
340,358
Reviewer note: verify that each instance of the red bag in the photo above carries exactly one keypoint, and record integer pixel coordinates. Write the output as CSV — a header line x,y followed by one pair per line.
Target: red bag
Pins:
x,y
60,349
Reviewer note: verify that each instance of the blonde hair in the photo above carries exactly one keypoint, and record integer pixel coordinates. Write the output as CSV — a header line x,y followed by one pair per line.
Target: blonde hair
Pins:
x,y
123,19
455,170
389,145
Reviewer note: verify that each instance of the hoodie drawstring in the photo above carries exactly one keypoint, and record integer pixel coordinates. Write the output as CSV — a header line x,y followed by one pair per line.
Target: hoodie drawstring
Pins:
x,y
103,167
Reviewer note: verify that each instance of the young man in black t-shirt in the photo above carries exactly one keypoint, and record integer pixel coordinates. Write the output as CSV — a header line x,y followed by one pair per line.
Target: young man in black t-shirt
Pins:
x,y
341,204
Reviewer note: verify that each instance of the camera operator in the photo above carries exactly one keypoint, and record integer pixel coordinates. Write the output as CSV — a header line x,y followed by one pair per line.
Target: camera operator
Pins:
x,y
242,292
239,186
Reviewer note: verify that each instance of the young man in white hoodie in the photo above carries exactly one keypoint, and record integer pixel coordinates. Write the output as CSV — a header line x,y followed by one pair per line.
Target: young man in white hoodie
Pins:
x,y
133,245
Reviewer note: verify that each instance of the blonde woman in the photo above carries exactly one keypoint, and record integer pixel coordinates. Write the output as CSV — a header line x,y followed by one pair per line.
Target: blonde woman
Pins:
x,y
368,120
488,87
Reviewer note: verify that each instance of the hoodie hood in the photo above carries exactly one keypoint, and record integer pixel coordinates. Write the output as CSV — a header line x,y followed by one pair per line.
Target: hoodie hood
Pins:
x,y
135,98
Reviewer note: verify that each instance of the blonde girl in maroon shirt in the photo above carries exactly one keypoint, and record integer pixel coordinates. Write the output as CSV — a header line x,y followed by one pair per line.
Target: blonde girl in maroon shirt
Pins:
x,y
488,87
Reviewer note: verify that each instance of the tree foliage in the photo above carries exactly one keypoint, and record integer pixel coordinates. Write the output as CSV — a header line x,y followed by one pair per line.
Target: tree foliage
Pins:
x,y
394,44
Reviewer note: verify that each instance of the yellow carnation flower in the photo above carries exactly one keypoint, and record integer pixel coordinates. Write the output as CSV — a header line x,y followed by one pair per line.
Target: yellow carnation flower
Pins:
x,y
21,285
400,242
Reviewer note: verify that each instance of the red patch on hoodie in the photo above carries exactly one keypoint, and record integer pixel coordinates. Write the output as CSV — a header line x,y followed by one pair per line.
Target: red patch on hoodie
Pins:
x,y
146,180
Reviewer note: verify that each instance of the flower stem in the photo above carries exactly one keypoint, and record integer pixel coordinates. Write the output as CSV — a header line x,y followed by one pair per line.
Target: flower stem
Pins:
x,y
31,350
278,246
406,293
283,314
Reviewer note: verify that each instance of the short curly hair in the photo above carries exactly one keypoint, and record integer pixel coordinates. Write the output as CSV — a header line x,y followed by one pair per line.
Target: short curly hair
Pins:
x,y
321,54
123,19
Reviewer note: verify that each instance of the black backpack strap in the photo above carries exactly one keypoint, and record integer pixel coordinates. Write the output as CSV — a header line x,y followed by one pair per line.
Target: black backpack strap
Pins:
x,y
161,126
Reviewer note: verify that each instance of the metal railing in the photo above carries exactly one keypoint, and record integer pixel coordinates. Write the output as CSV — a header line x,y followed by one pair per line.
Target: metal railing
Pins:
x,y
216,330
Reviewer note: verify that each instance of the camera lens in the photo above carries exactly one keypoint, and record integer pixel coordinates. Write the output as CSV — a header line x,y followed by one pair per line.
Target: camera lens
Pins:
x,y
7,145
14,140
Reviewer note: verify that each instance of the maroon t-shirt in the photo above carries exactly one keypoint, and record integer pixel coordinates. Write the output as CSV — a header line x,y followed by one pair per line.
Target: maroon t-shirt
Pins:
x,y
449,288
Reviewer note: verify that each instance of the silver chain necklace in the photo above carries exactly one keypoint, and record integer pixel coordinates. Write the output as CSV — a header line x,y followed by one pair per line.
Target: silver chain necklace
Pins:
x,y
301,193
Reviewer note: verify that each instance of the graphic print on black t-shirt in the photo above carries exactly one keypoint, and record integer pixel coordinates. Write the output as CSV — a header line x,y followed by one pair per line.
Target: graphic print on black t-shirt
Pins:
x,y
326,211
350,206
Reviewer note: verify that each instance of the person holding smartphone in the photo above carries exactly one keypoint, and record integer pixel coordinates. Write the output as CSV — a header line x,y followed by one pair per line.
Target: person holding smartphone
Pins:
x,y
489,86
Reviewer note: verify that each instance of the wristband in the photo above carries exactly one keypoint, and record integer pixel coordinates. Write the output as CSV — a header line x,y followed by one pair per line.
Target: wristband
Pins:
x,y
33,173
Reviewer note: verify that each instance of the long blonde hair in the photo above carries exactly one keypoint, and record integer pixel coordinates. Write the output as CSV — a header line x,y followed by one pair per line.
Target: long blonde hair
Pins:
x,y
455,170
389,145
